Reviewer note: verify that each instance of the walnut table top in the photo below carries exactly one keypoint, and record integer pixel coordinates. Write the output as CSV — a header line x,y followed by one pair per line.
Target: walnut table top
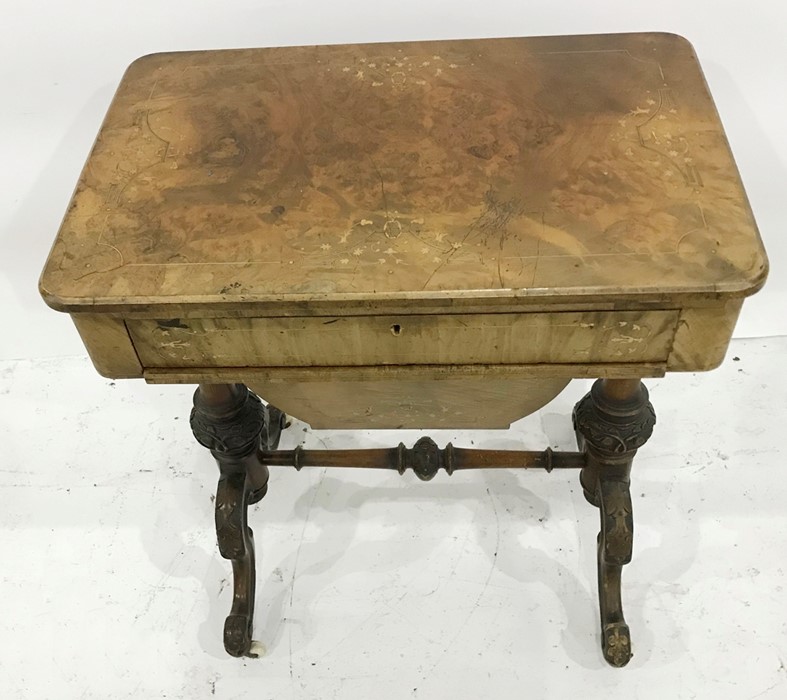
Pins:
x,y
372,218
542,170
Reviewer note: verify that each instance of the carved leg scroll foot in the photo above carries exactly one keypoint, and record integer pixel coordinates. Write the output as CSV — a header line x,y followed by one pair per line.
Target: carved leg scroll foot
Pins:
x,y
236,542
612,422
230,421
614,550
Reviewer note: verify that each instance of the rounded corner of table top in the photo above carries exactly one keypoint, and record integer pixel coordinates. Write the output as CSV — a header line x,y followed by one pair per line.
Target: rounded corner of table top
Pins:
x,y
146,63
52,299
669,40
754,281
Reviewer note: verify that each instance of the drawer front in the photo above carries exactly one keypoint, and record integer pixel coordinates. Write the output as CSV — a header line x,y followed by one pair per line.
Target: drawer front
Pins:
x,y
567,337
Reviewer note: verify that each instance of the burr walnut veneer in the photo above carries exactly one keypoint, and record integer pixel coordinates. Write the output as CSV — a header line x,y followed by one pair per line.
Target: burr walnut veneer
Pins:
x,y
431,234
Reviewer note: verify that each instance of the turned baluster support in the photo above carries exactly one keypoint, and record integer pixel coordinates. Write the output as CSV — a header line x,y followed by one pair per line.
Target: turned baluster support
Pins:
x,y
234,424
612,421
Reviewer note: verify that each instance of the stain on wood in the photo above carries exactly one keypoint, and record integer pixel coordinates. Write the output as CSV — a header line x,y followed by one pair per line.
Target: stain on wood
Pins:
x,y
533,168
555,206
589,337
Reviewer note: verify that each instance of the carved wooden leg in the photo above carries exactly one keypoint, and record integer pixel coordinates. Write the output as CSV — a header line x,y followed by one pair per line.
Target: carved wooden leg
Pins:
x,y
231,421
612,422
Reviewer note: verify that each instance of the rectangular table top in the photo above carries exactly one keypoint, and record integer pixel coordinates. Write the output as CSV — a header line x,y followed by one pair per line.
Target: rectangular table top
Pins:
x,y
533,170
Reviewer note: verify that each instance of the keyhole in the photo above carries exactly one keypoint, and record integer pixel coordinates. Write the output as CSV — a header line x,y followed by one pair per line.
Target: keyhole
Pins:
x,y
396,329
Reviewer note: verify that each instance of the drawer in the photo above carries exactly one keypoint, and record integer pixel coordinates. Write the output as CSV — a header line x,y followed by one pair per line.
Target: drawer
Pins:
x,y
508,338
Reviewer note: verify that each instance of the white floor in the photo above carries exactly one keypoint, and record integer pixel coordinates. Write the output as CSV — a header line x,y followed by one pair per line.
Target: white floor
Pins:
x,y
372,585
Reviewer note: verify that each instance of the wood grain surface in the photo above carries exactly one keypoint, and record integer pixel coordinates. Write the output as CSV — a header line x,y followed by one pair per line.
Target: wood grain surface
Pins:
x,y
456,401
541,170
493,339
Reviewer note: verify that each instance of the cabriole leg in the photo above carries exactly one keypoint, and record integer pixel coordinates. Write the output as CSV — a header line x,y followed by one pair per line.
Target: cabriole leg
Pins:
x,y
612,422
231,421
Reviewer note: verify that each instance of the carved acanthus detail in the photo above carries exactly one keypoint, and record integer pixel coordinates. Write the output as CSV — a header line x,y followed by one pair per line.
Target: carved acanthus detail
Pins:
x,y
614,429
618,521
235,430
